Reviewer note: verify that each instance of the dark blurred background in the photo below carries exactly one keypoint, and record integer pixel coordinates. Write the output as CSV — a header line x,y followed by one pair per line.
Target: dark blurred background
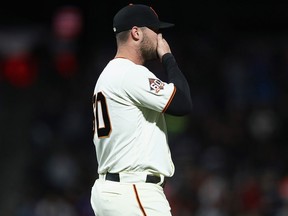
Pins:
x,y
230,153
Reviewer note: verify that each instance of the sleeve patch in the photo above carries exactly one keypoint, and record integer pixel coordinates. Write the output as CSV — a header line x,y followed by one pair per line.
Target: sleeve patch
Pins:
x,y
156,85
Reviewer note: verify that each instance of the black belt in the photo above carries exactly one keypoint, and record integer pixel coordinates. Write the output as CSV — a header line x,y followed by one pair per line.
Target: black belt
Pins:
x,y
149,178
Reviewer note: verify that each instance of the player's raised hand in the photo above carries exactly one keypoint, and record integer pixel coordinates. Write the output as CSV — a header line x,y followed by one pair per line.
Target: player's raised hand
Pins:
x,y
162,46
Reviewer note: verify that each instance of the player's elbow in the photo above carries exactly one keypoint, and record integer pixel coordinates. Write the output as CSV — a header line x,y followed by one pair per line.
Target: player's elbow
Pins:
x,y
180,108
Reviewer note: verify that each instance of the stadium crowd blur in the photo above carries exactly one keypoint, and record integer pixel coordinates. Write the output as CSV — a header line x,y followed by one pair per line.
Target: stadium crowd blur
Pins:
x,y
230,153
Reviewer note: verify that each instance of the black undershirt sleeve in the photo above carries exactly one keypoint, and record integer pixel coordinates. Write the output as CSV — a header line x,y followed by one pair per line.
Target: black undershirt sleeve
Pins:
x,y
181,103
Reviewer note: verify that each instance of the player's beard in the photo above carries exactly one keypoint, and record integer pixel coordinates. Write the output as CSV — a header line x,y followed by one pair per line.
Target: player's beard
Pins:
x,y
148,49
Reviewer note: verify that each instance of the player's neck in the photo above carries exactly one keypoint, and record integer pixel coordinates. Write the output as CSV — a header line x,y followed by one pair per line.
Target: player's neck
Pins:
x,y
129,54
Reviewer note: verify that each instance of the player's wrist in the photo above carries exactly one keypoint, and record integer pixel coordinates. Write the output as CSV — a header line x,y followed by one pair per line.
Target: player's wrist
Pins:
x,y
166,57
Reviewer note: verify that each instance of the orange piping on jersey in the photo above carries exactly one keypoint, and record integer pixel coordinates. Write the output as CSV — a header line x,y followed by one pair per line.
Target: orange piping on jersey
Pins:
x,y
169,101
138,200
116,57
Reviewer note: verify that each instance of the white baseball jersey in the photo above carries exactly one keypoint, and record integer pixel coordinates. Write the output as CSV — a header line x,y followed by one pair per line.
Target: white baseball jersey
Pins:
x,y
130,133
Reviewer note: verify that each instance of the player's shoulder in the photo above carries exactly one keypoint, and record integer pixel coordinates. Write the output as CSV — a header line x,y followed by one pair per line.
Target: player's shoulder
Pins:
x,y
126,66
127,63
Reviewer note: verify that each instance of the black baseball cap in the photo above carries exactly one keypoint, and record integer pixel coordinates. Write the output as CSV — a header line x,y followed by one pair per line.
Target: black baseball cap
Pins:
x,y
137,15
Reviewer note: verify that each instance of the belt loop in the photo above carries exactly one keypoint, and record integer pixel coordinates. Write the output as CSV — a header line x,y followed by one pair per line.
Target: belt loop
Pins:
x,y
102,176
162,181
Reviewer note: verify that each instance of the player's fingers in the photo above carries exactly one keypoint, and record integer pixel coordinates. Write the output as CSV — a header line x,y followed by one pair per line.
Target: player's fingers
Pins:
x,y
160,38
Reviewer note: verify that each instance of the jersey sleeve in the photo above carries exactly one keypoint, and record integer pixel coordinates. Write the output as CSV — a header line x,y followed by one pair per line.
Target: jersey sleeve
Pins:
x,y
144,89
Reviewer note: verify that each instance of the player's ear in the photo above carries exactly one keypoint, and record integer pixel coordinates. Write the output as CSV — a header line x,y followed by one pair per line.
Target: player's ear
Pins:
x,y
136,32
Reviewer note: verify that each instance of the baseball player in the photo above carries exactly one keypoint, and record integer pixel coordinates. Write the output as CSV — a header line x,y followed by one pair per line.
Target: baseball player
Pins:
x,y
129,104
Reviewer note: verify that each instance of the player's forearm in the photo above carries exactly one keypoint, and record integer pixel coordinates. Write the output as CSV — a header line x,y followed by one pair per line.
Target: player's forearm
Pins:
x,y
181,103
175,75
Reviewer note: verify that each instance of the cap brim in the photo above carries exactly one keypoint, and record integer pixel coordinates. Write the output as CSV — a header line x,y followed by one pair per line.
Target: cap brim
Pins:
x,y
165,25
